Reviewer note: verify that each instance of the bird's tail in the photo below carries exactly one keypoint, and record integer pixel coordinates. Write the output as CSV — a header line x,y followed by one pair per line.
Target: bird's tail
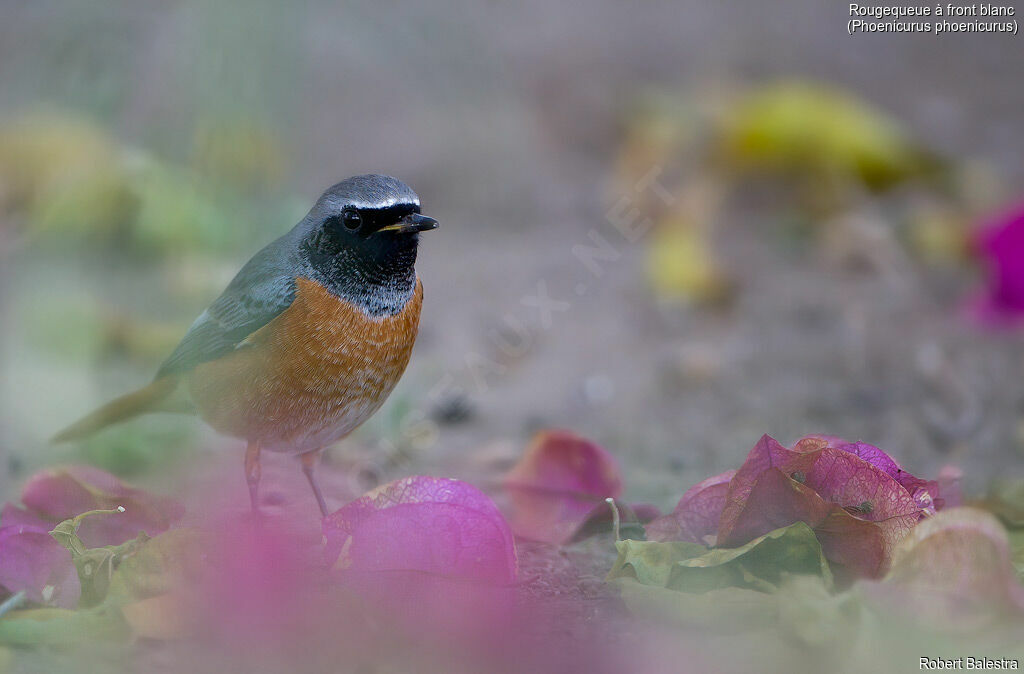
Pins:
x,y
152,398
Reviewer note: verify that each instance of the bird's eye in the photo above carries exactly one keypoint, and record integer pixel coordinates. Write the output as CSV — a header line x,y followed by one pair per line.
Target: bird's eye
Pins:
x,y
351,220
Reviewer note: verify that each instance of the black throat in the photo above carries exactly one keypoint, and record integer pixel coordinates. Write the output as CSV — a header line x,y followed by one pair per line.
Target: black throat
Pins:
x,y
376,273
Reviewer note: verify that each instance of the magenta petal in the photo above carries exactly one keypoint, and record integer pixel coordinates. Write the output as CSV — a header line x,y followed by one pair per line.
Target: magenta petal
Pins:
x,y
926,493
12,515
1001,245
956,569
426,524
696,516
557,484
766,454
851,482
950,494
858,511
64,492
33,562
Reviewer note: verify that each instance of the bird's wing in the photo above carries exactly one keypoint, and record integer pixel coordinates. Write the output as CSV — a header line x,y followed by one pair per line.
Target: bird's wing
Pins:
x,y
261,291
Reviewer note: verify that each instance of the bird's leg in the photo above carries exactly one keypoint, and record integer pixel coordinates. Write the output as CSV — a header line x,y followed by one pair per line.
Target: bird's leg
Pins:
x,y
309,460
252,476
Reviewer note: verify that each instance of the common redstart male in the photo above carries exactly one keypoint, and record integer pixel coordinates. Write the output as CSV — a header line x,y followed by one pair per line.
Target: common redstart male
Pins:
x,y
310,337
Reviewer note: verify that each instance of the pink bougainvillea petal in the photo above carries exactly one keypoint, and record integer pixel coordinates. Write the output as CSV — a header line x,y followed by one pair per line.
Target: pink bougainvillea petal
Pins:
x,y
696,516
950,493
60,493
956,569
1001,245
778,500
775,500
929,495
12,515
258,587
858,509
872,494
873,455
33,562
633,519
424,524
557,483
766,454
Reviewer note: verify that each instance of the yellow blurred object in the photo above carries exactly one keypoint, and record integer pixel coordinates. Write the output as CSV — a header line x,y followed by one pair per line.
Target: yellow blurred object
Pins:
x,y
682,266
64,173
807,129
127,335
979,186
658,137
161,617
71,182
176,215
243,154
939,235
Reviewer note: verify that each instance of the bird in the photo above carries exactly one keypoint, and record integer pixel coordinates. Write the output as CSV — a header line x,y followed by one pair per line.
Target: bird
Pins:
x,y
308,339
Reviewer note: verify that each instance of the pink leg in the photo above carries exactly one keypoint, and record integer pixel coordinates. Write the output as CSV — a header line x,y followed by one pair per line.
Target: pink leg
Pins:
x,y
309,461
252,476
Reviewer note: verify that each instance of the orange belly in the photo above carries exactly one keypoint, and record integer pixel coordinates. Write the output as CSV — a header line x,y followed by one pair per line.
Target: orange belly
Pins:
x,y
311,375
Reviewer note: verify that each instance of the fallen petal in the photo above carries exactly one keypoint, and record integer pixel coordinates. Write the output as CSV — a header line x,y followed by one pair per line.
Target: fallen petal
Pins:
x,y
1001,246
426,524
955,569
557,484
696,516
33,562
61,493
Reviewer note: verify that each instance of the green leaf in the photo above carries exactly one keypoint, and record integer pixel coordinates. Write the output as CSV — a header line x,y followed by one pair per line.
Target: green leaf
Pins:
x,y
61,627
1017,548
731,610
649,562
95,566
762,564
169,561
1005,499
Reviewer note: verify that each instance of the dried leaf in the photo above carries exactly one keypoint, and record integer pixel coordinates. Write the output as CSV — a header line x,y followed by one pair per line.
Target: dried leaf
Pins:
x,y
761,564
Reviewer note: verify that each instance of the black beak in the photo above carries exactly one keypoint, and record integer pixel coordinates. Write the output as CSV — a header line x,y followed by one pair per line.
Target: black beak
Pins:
x,y
414,222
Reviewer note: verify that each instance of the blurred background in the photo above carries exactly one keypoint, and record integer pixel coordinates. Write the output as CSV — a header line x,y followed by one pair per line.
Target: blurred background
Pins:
x,y
671,227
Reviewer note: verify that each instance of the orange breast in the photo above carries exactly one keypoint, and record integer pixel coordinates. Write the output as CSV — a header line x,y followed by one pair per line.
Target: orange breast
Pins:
x,y
310,376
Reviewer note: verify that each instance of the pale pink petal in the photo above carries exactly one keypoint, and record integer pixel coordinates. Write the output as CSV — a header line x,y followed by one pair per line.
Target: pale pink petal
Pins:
x,y
12,515
557,484
426,524
766,454
696,516
858,510
955,569
64,492
1001,245
33,562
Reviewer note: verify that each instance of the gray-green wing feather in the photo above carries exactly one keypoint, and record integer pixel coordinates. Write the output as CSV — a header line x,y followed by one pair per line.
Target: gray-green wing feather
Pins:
x,y
261,291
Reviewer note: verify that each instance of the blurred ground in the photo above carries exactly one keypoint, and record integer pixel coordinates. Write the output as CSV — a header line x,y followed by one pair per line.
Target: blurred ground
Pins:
x,y
506,120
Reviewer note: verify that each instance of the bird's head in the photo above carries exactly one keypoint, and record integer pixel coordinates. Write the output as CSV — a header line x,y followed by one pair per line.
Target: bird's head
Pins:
x,y
368,211
364,230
